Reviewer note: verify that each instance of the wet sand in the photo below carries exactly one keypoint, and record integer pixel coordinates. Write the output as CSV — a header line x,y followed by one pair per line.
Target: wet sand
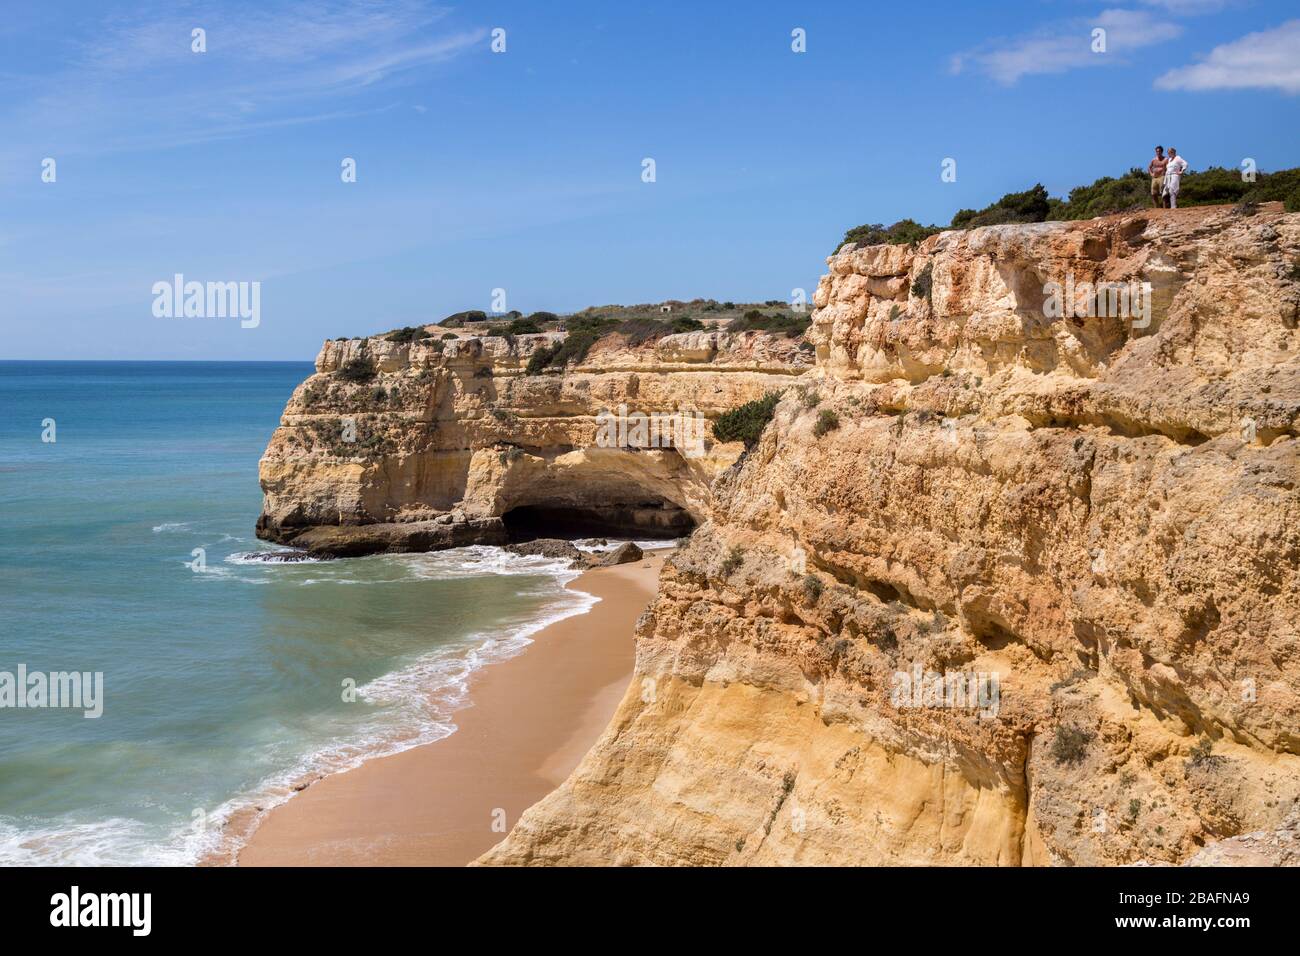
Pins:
x,y
529,722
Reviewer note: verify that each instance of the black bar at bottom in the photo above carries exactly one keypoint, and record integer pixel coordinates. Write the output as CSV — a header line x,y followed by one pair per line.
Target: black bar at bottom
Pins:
x,y
349,906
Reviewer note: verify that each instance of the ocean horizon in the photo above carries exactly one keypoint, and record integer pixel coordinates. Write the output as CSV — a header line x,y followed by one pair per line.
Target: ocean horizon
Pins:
x,y
128,550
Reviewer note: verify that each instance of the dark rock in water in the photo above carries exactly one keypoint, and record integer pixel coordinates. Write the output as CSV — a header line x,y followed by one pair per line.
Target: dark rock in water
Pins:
x,y
625,553
350,541
548,548
285,557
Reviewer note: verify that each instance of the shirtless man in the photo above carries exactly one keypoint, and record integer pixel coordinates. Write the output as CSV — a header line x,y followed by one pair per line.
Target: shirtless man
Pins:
x,y
1174,170
1157,170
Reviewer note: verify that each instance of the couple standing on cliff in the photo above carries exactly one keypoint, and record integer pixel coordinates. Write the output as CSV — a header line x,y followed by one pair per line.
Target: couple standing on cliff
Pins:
x,y
1166,177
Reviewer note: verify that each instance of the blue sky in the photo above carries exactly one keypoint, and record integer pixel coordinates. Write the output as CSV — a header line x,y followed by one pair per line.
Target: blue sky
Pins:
x,y
522,170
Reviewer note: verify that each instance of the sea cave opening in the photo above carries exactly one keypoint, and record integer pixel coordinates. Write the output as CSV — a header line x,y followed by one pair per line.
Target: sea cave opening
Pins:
x,y
654,519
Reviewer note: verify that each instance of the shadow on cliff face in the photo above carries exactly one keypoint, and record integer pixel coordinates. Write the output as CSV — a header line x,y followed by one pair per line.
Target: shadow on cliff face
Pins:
x,y
645,520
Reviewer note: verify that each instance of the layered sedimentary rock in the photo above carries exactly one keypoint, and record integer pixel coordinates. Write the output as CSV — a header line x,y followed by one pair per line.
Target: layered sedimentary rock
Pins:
x,y
1091,519
443,443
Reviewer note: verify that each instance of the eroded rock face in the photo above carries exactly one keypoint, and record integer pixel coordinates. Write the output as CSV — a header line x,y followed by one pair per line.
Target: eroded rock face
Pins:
x,y
1094,521
452,443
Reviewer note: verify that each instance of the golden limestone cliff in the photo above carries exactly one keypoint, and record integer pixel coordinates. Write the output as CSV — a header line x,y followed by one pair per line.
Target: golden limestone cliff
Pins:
x,y
1003,582
396,446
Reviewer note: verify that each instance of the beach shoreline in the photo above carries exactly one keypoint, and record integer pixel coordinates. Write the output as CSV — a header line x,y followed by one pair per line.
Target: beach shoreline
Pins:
x,y
526,725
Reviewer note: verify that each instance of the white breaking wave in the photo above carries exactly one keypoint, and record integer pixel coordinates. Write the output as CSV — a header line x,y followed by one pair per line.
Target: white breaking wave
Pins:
x,y
594,545
426,694
116,841
450,674
481,561
418,704
269,556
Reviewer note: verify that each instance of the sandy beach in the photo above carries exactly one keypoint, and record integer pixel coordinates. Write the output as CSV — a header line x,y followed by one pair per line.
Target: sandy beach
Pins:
x,y
529,722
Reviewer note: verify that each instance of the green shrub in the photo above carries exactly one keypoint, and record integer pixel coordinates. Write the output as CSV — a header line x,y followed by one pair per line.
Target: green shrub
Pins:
x,y
827,421
747,422
450,335
638,331
540,317
810,398
1131,191
1271,187
1032,205
924,282
1070,744
791,325
540,360
584,332
590,322
731,564
356,370
523,327
1203,755
904,232
411,333
1108,195
575,346
1214,185
457,319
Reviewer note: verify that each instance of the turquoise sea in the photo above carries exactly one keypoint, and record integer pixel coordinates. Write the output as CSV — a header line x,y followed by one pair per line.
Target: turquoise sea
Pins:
x,y
222,686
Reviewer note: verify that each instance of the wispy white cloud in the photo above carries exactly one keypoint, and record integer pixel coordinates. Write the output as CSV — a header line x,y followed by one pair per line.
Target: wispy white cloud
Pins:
x,y
1269,59
134,83
1068,46
295,32
1189,8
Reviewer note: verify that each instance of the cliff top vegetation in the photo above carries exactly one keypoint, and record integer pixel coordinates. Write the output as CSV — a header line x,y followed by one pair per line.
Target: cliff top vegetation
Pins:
x,y
1129,192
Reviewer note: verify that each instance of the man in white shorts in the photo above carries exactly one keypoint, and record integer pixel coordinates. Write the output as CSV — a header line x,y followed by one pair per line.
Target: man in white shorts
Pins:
x,y
1173,176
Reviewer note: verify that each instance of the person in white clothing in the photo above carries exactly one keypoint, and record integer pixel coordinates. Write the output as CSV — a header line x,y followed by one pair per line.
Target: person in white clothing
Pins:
x,y
1173,176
